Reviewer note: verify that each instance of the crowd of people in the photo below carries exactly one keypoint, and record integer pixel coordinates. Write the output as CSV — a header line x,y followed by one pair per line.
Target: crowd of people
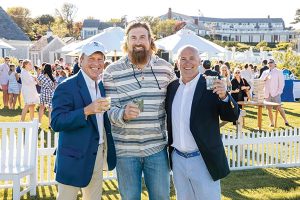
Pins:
x,y
35,84
239,81
138,114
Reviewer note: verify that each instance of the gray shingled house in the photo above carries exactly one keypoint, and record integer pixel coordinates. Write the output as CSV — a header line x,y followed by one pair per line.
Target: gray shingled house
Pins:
x,y
44,49
12,34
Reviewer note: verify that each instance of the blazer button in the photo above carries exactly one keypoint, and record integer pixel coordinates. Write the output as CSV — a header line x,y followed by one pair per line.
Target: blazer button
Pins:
x,y
95,153
97,139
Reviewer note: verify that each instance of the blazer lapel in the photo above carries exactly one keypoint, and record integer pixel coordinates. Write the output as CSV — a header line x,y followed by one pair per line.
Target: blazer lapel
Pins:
x,y
172,95
198,93
85,94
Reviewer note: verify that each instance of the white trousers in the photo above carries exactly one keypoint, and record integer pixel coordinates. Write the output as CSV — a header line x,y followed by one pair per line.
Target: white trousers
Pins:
x,y
192,180
93,191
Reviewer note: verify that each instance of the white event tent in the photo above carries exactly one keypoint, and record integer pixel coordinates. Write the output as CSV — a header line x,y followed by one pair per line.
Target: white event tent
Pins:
x,y
184,37
111,38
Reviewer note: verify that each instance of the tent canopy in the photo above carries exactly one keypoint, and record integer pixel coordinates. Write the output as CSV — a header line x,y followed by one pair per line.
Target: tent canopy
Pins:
x,y
111,38
184,37
4,45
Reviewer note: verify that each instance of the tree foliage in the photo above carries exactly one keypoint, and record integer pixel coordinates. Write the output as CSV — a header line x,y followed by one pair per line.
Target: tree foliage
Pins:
x,y
152,21
288,60
165,28
21,17
66,15
45,20
297,17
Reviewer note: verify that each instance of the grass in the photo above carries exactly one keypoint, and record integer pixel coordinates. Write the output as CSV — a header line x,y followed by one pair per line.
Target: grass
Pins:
x,y
258,184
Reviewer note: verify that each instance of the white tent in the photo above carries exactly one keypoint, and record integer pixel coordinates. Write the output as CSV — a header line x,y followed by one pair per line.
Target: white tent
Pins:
x,y
111,38
4,45
184,37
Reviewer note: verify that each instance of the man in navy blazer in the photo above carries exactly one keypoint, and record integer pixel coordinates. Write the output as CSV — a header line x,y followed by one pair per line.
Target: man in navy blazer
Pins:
x,y
79,115
195,144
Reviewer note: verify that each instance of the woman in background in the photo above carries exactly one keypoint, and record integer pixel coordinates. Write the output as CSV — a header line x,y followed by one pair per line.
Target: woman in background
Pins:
x,y
239,86
47,83
13,87
225,73
28,89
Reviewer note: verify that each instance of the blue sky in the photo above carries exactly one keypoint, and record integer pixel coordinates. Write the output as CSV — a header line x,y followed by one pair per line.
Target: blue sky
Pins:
x,y
107,9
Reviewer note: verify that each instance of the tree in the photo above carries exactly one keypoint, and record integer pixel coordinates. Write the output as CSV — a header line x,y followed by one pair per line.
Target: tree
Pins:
x,y
21,17
45,20
152,21
77,29
288,60
262,44
297,17
165,28
58,28
114,20
283,45
66,15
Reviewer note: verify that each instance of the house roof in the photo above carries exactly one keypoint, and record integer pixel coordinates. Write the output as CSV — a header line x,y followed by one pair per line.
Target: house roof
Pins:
x,y
9,29
240,20
91,23
41,43
177,16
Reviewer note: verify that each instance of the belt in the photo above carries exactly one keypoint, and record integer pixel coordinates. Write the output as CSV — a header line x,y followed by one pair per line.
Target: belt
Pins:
x,y
187,155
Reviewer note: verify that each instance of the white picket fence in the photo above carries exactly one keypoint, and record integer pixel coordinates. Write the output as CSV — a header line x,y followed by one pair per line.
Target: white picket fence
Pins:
x,y
280,148
47,145
244,151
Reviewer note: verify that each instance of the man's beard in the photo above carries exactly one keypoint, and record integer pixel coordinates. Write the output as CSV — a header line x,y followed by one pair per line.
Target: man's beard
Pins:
x,y
139,57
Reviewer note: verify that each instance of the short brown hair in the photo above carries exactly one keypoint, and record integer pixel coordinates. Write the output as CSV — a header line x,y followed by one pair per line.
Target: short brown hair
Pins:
x,y
136,24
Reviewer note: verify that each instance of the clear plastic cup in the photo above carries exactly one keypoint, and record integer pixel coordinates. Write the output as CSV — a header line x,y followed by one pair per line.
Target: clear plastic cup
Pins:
x,y
210,80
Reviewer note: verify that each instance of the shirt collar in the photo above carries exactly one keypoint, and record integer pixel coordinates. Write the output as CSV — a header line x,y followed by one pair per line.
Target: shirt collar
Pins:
x,y
193,81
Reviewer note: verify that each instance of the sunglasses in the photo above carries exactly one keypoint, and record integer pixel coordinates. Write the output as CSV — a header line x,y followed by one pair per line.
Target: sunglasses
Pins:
x,y
237,72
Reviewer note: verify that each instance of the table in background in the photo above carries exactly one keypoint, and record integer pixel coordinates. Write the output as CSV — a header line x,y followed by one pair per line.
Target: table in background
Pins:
x,y
260,105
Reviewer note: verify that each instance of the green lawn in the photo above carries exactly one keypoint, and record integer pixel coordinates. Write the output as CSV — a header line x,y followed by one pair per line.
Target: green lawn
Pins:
x,y
260,184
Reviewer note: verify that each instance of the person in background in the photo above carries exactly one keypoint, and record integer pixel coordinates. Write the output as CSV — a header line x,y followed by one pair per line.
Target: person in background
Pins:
x,y
239,86
18,70
216,68
176,70
208,71
255,72
4,69
63,76
76,67
264,68
137,86
47,83
13,87
30,95
61,62
195,144
37,72
274,84
225,73
106,63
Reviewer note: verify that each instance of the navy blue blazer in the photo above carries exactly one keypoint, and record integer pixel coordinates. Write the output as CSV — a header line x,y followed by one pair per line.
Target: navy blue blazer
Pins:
x,y
204,125
78,138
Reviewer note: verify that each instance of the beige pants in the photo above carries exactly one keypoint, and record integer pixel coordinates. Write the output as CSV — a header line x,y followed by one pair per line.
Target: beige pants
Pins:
x,y
93,191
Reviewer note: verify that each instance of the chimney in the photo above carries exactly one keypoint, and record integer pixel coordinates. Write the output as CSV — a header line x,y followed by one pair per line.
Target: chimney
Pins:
x,y
196,21
268,16
170,13
49,33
